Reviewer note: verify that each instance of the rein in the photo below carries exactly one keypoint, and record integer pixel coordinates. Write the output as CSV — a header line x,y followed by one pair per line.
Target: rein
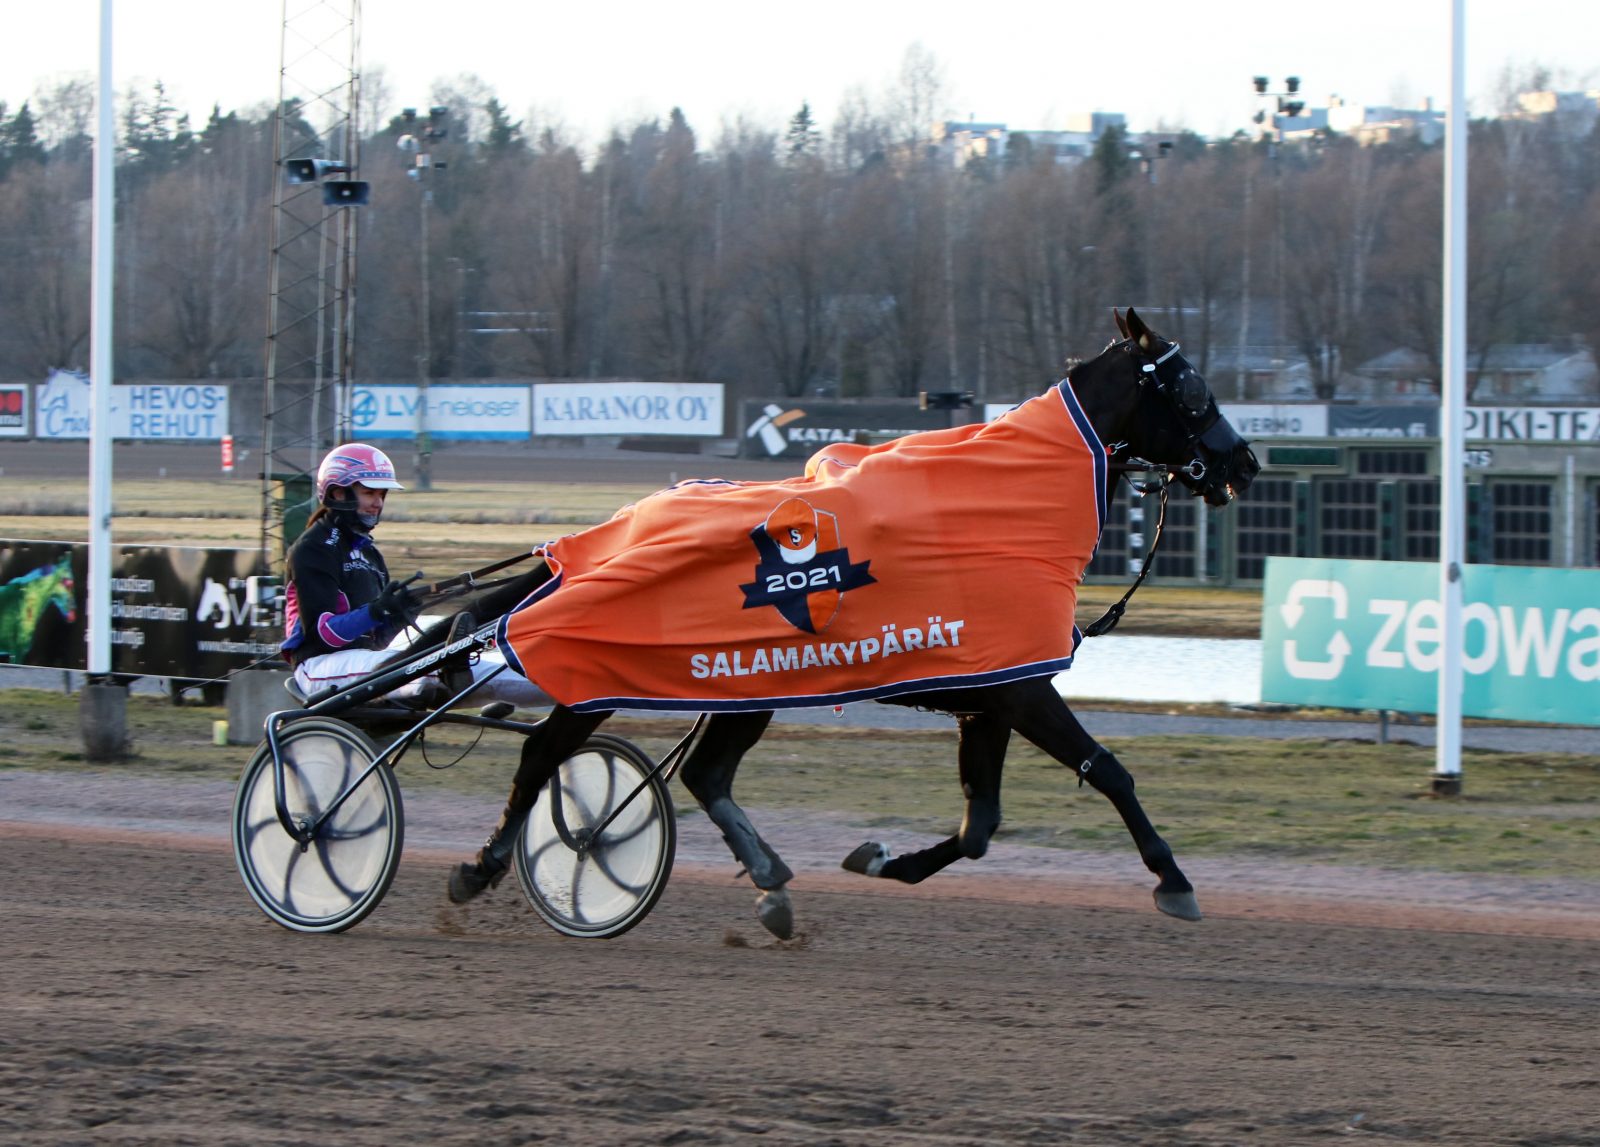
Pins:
x,y
1109,619
469,580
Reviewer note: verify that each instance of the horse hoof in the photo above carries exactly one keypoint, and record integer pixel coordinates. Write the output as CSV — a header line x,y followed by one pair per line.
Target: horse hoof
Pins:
x,y
1183,905
776,913
868,859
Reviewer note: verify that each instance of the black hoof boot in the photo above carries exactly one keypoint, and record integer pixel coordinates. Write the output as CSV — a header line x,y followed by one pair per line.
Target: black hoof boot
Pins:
x,y
469,880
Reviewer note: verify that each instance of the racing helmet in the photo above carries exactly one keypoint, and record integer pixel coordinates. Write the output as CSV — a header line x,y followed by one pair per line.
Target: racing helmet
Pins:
x,y
353,463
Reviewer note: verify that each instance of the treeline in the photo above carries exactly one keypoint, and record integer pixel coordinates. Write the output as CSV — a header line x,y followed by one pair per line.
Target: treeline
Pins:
x,y
856,258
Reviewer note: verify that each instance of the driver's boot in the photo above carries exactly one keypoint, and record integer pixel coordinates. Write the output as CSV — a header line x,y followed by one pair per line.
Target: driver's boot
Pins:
x,y
455,672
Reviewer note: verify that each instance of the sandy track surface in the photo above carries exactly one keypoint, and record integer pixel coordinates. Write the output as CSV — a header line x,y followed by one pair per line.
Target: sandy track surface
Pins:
x,y
1030,998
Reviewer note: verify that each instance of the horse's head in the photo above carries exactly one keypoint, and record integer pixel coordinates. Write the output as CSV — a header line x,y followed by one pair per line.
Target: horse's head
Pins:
x,y
1147,402
63,591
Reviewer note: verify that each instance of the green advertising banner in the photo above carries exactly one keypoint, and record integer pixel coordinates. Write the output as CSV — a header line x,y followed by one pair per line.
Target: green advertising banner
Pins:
x,y
1368,635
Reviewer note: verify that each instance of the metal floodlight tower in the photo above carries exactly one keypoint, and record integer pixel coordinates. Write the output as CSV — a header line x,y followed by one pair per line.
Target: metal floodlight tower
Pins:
x,y
312,260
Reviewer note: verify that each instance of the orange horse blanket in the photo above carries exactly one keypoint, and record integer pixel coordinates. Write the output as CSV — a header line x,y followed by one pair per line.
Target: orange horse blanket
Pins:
x,y
939,560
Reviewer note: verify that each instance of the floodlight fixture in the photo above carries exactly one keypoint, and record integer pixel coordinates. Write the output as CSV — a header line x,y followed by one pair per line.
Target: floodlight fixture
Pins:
x,y
312,170
1261,85
1293,84
407,142
346,192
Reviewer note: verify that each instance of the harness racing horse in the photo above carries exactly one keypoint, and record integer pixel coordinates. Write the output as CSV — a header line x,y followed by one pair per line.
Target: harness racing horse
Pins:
x,y
1151,410
24,600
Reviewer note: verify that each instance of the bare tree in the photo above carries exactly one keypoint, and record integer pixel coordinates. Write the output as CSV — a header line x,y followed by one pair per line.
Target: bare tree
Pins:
x,y
670,252
44,278
792,265
1334,213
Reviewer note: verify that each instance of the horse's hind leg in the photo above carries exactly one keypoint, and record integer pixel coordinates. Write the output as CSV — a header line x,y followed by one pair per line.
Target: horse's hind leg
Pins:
x,y
555,739
981,756
708,775
1040,714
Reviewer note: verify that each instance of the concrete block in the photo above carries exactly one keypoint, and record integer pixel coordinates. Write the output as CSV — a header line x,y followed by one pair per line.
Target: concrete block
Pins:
x,y
252,695
103,721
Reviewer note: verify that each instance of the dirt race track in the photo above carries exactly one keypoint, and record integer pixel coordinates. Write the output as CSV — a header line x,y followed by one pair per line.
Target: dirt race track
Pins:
x,y
147,1001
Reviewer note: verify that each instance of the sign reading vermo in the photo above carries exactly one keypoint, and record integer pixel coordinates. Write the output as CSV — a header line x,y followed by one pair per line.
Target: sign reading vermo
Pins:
x,y
1368,635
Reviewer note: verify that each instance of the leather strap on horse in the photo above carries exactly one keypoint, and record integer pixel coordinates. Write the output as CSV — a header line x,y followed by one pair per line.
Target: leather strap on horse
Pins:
x,y
1108,620
469,580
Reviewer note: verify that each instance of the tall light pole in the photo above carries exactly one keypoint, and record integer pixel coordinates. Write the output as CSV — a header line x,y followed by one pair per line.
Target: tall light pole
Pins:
x,y
422,165
1288,104
1452,420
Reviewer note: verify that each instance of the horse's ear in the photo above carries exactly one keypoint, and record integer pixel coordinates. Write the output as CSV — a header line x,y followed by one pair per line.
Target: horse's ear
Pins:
x,y
1135,329
1122,324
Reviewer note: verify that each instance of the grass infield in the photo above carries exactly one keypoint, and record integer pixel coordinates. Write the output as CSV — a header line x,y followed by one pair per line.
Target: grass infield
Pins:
x,y
1309,801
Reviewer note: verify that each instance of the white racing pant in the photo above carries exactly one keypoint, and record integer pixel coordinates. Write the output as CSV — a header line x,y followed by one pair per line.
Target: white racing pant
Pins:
x,y
347,665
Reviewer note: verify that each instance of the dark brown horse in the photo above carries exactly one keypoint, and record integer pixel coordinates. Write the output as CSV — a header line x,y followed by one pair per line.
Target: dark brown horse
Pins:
x,y
1148,405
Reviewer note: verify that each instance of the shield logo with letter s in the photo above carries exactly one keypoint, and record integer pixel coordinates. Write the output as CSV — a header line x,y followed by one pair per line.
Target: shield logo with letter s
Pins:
x,y
803,569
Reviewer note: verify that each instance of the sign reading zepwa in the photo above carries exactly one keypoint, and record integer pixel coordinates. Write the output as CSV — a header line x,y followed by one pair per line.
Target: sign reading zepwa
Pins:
x,y
455,410
690,409
1369,635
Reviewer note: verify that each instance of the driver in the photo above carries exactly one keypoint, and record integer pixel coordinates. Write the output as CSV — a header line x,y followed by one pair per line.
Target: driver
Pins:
x,y
341,608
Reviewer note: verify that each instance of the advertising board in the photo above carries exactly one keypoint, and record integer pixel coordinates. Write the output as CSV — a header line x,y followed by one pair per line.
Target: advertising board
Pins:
x,y
183,411
1369,421
680,409
15,416
798,428
1266,420
176,611
1368,635
478,412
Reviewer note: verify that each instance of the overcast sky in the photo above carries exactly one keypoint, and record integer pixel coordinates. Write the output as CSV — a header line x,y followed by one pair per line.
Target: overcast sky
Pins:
x,y
1021,62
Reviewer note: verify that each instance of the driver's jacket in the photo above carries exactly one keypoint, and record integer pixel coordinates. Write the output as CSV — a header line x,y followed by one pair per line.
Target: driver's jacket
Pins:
x,y
333,576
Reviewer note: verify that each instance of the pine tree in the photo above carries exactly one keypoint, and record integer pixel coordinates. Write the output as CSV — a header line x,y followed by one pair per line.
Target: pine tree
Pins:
x,y
503,136
1111,158
19,138
803,138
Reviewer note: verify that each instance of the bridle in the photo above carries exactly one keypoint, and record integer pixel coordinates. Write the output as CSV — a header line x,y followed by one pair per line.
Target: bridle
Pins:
x,y
1184,388
1190,398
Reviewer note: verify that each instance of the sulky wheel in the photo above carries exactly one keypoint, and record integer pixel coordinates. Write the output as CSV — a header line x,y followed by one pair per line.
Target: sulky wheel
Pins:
x,y
598,885
334,880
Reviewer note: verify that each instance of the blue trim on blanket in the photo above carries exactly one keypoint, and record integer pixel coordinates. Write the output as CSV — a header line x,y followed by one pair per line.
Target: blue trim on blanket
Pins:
x,y
1097,451
500,638
824,700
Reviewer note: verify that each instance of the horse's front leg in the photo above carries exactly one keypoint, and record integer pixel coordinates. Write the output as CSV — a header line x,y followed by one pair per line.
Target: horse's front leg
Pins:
x,y
1174,895
708,773
981,757
555,739
1040,714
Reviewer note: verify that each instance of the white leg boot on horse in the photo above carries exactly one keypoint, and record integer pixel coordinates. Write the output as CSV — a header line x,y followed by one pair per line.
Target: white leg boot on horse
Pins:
x,y
708,774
